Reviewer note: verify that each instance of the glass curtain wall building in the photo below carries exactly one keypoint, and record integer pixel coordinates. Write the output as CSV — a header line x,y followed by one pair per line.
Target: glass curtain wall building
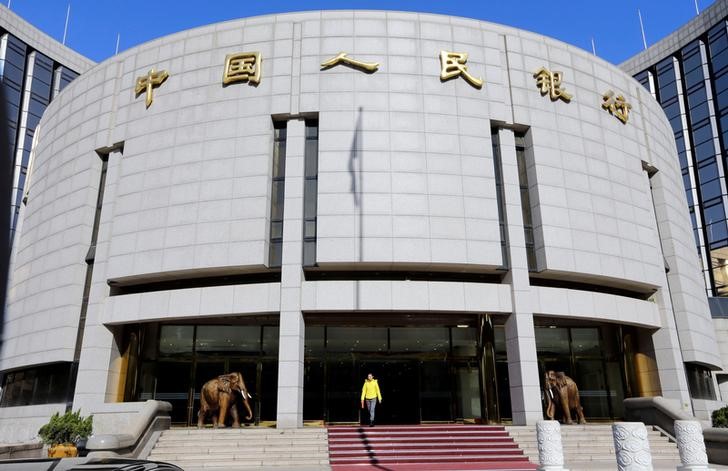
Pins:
x,y
34,69
687,73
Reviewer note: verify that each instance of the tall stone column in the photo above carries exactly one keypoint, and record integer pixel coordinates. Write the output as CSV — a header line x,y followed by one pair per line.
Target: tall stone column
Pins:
x,y
292,334
520,336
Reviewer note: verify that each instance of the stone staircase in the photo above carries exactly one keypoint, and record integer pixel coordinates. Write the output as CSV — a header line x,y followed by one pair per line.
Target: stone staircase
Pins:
x,y
589,447
242,449
420,447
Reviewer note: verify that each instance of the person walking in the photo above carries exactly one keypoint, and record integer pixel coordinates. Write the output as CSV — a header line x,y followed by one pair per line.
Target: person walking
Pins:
x,y
370,393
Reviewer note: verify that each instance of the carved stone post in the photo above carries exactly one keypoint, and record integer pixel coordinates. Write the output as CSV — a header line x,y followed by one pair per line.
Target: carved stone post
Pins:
x,y
550,451
690,444
631,446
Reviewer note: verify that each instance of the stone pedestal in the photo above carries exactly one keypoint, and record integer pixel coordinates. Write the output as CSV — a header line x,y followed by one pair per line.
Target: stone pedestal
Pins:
x,y
690,444
550,450
631,446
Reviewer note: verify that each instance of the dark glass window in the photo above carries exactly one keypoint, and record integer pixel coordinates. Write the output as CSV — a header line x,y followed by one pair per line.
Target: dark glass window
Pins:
x,y
700,382
714,213
310,193
525,200
47,384
277,194
498,170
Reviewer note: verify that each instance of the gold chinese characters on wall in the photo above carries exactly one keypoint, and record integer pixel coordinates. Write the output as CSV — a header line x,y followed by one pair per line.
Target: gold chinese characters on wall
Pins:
x,y
247,67
148,82
243,67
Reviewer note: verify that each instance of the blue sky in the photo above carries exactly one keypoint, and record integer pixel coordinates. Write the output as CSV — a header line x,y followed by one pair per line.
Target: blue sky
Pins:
x,y
614,25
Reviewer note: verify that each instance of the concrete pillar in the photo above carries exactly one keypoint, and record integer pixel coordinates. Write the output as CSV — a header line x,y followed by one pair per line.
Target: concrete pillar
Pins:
x,y
631,446
520,335
292,332
550,450
690,444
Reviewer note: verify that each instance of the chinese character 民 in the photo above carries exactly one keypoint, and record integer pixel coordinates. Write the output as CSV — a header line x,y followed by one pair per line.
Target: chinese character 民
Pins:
x,y
342,58
550,82
452,64
616,106
242,67
147,82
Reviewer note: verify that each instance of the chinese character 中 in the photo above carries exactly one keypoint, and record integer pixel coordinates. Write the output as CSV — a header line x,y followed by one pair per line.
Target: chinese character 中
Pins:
x,y
342,58
550,82
242,67
616,106
452,64
149,81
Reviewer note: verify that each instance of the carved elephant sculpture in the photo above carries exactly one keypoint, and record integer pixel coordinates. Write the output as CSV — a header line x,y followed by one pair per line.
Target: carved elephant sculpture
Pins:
x,y
561,392
219,396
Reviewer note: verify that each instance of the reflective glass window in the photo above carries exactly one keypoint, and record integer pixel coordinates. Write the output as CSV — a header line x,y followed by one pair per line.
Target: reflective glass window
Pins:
x,y
176,339
227,338
714,213
360,339
710,190
717,232
419,339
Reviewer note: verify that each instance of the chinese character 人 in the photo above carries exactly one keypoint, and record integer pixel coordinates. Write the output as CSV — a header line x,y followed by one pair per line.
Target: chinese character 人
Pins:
x,y
617,106
342,58
242,67
550,82
452,64
149,81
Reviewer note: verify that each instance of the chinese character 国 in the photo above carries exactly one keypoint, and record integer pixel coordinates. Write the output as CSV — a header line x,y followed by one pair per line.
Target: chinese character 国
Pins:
x,y
242,67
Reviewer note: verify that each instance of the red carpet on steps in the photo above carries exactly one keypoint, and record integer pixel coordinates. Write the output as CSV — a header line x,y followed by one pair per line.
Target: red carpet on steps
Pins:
x,y
420,447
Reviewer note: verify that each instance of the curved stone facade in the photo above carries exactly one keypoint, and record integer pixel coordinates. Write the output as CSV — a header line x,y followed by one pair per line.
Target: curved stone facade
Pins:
x,y
406,183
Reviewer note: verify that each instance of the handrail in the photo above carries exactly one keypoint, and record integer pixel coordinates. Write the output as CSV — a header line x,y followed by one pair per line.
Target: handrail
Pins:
x,y
143,427
663,413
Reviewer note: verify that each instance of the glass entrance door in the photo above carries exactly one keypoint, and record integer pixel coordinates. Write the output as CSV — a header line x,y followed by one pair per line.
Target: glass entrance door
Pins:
x,y
172,384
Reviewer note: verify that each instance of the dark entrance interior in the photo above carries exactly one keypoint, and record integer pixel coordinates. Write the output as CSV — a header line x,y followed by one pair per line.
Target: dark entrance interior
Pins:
x,y
427,371
591,354
171,362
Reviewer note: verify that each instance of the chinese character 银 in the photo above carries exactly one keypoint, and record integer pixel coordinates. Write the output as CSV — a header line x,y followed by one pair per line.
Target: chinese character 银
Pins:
x,y
550,82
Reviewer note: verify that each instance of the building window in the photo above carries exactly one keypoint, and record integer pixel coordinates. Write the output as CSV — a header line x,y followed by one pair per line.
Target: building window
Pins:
x,y
48,384
310,193
498,170
700,382
525,200
277,194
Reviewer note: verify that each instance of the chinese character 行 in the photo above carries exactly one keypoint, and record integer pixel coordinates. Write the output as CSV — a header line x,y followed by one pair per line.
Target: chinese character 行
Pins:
x,y
617,106
452,64
149,81
550,82
342,58
242,67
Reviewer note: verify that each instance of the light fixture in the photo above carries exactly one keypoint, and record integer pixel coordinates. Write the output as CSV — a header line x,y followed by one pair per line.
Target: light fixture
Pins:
x,y
462,326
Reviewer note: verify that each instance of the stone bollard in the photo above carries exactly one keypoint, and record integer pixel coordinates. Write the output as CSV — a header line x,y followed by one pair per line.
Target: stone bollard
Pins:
x,y
690,444
631,446
550,451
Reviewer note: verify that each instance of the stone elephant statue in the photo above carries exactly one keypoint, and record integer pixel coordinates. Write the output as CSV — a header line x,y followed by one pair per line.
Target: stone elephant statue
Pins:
x,y
561,392
219,396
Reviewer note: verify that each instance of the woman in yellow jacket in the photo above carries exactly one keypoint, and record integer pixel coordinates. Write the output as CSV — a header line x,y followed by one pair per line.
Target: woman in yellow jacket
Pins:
x,y
370,393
